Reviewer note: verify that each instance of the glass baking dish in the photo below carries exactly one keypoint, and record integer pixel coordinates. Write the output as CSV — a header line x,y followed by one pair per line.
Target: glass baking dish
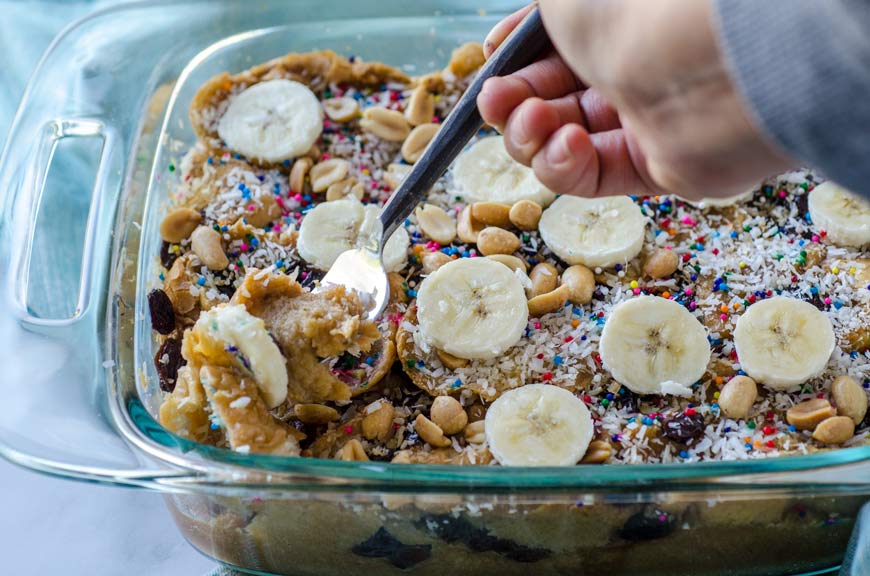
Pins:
x,y
84,178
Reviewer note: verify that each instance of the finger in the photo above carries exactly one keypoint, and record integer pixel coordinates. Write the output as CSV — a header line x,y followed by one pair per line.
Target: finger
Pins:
x,y
587,108
601,164
547,78
529,127
501,30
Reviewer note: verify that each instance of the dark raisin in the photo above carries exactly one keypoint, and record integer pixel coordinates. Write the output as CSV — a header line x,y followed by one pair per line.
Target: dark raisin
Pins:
x,y
167,361
452,529
167,255
382,544
684,427
801,201
817,301
649,524
407,556
378,545
162,314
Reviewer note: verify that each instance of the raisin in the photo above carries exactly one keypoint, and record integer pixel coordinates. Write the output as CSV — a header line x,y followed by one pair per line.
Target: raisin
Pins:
x,y
801,202
167,361
167,255
162,314
382,544
410,555
452,529
648,524
684,427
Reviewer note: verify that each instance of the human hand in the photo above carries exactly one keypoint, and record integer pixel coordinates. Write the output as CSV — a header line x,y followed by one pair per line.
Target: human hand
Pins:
x,y
636,99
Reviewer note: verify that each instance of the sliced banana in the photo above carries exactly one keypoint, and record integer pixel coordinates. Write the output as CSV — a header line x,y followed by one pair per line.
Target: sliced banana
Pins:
x,y
334,227
653,345
538,425
844,216
472,308
486,173
783,342
247,338
721,202
593,232
272,121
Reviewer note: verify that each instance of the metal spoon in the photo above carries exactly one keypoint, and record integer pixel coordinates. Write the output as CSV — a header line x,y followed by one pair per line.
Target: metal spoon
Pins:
x,y
362,268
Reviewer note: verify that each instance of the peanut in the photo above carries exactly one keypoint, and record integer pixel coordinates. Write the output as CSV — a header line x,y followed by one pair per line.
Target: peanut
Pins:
x,y
511,262
597,453
315,413
431,433
341,109
449,360
475,432
834,430
206,244
467,228
298,174
850,398
386,124
417,141
491,214
421,106
808,414
395,174
466,59
263,213
379,422
492,240
436,223
549,302
345,188
448,414
179,224
661,263
581,282
545,279
432,261
313,153
526,214
325,174
738,396
353,451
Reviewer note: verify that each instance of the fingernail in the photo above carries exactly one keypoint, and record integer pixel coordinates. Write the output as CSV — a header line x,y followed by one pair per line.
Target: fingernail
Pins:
x,y
559,152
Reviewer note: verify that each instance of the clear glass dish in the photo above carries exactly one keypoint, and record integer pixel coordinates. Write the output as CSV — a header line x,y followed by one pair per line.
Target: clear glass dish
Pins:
x,y
105,116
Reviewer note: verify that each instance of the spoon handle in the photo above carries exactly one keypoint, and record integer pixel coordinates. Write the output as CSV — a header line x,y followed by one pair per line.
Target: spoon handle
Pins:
x,y
522,47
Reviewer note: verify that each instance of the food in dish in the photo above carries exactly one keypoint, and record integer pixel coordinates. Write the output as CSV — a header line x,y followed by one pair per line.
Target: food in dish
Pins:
x,y
639,329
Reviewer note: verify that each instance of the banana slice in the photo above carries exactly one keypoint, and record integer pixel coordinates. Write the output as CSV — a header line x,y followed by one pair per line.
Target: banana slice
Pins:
x,y
246,337
472,308
721,202
593,232
783,342
538,425
272,121
486,173
333,227
653,345
844,216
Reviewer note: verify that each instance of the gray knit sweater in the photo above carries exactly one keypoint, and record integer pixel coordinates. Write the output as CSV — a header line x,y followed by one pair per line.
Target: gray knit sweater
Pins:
x,y
804,68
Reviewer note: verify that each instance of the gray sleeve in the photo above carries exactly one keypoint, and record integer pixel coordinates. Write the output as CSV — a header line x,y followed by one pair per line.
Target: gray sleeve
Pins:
x,y
804,68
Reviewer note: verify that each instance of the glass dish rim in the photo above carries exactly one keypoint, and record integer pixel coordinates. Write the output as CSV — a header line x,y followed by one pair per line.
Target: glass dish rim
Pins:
x,y
139,427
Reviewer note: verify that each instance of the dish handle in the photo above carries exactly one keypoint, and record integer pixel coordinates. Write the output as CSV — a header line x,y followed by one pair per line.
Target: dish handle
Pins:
x,y
52,370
